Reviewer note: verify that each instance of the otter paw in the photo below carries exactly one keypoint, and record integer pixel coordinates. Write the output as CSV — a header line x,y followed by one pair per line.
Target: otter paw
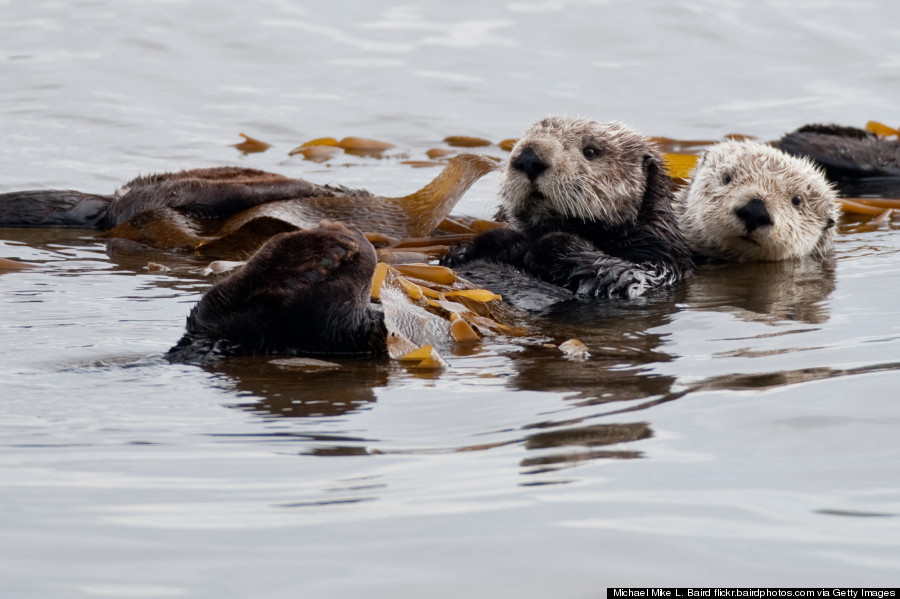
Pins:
x,y
497,245
555,255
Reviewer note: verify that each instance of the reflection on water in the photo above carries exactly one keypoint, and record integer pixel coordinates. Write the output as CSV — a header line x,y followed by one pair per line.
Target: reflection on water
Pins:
x,y
765,292
280,391
589,438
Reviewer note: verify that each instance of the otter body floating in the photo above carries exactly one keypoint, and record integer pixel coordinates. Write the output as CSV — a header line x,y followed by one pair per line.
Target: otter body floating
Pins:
x,y
195,207
589,210
859,162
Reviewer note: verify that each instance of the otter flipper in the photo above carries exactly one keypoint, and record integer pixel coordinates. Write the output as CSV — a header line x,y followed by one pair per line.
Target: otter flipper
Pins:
x,y
575,264
54,208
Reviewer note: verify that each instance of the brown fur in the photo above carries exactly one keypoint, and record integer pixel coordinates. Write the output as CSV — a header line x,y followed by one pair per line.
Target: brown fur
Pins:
x,y
304,292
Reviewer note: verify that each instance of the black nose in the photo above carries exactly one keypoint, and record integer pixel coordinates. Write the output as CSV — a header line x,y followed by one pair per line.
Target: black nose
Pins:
x,y
754,214
529,163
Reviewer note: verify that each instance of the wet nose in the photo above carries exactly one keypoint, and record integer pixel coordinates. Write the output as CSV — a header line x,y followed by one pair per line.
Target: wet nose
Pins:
x,y
754,214
529,163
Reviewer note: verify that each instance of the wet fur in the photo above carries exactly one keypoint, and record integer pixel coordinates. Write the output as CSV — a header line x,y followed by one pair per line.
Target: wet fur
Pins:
x,y
600,226
302,293
216,192
731,174
858,162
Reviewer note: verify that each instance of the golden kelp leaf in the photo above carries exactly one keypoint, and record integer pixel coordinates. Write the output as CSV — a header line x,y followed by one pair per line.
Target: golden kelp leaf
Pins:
x,y
250,145
444,240
427,207
465,225
878,202
309,147
857,208
452,225
880,129
319,153
381,270
680,166
432,362
882,218
411,289
6,264
480,225
423,357
510,330
420,163
380,239
479,295
361,144
438,153
507,144
398,345
464,141
575,349
427,272
461,330
321,141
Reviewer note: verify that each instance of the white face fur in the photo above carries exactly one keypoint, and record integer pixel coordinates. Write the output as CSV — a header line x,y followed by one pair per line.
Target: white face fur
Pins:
x,y
594,172
793,211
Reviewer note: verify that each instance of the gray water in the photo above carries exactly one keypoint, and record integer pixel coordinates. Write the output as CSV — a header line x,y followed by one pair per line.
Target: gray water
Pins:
x,y
740,431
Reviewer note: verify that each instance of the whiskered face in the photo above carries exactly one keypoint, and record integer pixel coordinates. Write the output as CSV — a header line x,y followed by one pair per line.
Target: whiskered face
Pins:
x,y
749,201
577,169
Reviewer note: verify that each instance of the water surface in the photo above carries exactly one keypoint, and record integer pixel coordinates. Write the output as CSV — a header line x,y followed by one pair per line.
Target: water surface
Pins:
x,y
738,431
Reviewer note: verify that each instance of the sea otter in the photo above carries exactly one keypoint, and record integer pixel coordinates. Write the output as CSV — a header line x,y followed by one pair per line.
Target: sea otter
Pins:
x,y
302,293
589,210
750,201
859,162
193,199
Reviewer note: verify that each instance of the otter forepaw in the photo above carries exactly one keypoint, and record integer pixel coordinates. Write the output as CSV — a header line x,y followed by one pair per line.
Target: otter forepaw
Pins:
x,y
507,246
611,277
551,257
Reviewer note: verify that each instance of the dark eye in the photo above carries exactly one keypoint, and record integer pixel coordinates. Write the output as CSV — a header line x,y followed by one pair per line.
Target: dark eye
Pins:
x,y
797,200
591,152
726,178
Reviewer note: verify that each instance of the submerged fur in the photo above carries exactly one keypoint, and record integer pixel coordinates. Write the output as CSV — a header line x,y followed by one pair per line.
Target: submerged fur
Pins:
x,y
750,201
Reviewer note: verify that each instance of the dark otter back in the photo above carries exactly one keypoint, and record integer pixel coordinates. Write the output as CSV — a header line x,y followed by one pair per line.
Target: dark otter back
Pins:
x,y
858,162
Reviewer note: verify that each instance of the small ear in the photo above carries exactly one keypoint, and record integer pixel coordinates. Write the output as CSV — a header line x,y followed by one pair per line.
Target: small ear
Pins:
x,y
829,223
659,185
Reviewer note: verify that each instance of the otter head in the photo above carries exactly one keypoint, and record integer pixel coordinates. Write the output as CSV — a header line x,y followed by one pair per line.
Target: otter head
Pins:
x,y
749,201
565,168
